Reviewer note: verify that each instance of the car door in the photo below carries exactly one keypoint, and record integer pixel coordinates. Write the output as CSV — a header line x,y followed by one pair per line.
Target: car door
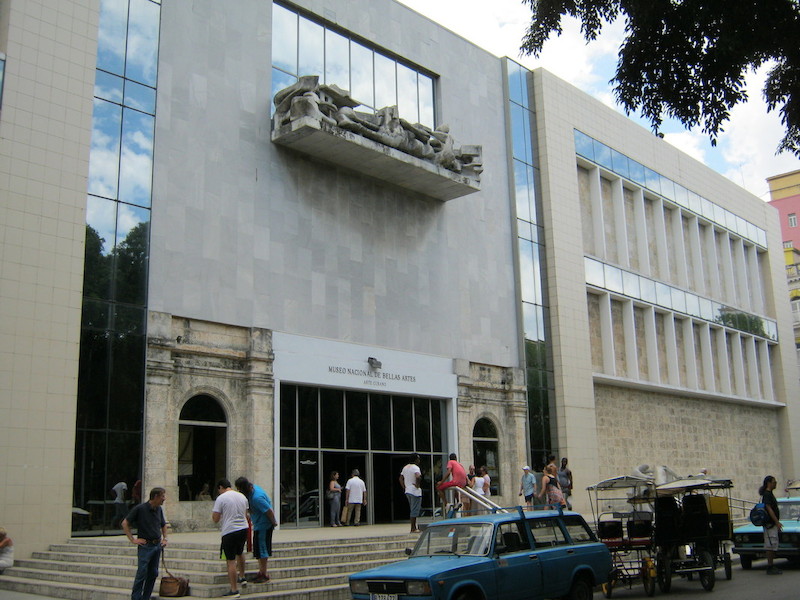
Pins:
x,y
518,574
555,556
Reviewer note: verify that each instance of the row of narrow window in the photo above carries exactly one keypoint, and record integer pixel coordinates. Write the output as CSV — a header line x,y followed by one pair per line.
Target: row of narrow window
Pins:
x,y
624,226
638,342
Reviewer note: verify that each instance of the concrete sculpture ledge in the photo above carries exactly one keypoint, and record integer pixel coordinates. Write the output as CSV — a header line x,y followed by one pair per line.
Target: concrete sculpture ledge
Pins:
x,y
320,121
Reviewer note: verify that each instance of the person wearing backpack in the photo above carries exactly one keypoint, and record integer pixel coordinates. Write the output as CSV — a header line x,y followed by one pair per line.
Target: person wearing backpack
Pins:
x,y
773,525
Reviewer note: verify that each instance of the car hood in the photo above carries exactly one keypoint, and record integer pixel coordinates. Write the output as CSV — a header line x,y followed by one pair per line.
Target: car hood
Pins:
x,y
421,567
788,526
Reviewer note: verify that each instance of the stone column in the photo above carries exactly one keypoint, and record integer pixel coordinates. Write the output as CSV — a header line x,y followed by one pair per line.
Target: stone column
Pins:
x,y
160,434
259,408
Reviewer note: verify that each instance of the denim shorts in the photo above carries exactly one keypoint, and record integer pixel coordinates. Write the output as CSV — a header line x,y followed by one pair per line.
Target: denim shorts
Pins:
x,y
414,504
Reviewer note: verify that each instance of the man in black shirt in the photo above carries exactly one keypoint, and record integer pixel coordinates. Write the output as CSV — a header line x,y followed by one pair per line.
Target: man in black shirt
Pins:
x,y
773,528
151,537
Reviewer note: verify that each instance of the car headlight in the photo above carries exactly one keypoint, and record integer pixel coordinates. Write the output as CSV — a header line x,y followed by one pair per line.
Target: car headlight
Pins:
x,y
738,538
418,588
359,586
790,537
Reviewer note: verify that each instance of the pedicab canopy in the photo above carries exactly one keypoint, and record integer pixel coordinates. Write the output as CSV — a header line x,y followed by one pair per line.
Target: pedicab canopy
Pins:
x,y
688,484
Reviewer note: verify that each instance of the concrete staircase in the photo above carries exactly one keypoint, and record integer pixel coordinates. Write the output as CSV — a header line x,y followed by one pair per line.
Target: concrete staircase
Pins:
x,y
103,568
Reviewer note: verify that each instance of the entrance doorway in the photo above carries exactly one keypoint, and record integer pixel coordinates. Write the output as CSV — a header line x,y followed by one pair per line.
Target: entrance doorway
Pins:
x,y
324,430
343,463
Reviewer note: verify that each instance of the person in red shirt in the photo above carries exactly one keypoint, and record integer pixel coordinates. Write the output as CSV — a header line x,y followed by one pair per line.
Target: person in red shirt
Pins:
x,y
456,476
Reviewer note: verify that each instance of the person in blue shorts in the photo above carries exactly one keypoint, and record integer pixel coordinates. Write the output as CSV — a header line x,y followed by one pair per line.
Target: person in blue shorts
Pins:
x,y
263,518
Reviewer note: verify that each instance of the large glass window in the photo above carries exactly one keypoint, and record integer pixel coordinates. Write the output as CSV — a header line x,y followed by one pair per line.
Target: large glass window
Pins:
x,y
112,354
619,281
301,46
323,430
531,260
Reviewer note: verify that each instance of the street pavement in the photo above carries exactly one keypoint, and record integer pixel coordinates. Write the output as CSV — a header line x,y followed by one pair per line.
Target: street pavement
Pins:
x,y
745,585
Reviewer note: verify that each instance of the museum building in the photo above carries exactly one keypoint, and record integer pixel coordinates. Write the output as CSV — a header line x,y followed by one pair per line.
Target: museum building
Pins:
x,y
281,239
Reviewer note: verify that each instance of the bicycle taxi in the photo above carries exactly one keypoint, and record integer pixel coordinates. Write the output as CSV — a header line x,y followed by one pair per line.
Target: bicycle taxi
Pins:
x,y
692,524
623,512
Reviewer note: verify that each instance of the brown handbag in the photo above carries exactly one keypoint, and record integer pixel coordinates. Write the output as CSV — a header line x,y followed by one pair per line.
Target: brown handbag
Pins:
x,y
171,586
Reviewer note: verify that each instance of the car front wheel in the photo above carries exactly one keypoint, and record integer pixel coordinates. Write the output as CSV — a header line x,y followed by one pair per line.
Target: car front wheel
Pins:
x,y
747,562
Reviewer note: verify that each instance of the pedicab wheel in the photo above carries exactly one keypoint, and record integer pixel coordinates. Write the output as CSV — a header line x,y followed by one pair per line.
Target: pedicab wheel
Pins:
x,y
648,580
747,562
663,572
707,577
726,561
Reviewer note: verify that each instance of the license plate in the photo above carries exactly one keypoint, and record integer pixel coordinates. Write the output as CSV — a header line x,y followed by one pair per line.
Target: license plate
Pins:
x,y
383,597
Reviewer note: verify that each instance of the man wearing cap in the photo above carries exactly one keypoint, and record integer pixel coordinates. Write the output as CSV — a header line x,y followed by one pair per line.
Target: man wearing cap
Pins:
x,y
527,485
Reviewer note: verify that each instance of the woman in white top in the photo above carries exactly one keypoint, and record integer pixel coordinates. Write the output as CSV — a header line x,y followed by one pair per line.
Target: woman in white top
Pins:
x,y
477,484
487,481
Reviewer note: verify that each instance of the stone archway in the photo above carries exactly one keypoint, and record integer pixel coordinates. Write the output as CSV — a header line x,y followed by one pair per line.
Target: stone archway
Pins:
x,y
485,451
202,447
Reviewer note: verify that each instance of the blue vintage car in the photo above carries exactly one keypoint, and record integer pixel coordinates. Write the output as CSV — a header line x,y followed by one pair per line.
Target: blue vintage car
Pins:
x,y
508,556
749,540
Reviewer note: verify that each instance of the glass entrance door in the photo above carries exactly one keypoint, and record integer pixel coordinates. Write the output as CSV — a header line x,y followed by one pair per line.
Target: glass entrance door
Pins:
x,y
324,430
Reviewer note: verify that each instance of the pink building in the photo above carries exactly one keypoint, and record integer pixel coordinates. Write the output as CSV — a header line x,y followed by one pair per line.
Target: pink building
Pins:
x,y
784,191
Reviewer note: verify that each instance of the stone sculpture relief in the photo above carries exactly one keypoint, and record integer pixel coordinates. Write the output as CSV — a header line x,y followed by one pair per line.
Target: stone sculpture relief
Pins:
x,y
333,106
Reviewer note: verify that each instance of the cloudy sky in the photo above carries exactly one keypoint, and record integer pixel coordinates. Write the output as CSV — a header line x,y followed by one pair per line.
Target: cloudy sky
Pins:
x,y
745,152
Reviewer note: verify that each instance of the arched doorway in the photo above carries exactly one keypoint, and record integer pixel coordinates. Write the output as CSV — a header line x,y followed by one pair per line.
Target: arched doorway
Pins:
x,y
485,451
202,446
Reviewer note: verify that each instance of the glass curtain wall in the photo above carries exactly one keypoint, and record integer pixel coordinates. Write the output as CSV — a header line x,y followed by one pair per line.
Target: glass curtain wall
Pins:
x,y
301,46
112,353
530,240
324,430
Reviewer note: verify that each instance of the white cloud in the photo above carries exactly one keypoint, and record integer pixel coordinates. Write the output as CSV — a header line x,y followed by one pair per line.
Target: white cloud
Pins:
x,y
750,139
690,142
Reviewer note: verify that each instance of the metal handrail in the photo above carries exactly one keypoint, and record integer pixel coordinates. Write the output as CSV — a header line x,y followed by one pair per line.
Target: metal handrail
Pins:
x,y
740,511
482,500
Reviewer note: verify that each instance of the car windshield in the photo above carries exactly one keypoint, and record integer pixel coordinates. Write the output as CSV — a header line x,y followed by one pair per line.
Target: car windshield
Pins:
x,y
462,539
790,511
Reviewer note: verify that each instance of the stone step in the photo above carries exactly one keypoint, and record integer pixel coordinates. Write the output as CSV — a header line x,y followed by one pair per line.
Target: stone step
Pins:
x,y
123,541
55,589
274,585
334,588
212,550
210,572
121,580
92,569
207,564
